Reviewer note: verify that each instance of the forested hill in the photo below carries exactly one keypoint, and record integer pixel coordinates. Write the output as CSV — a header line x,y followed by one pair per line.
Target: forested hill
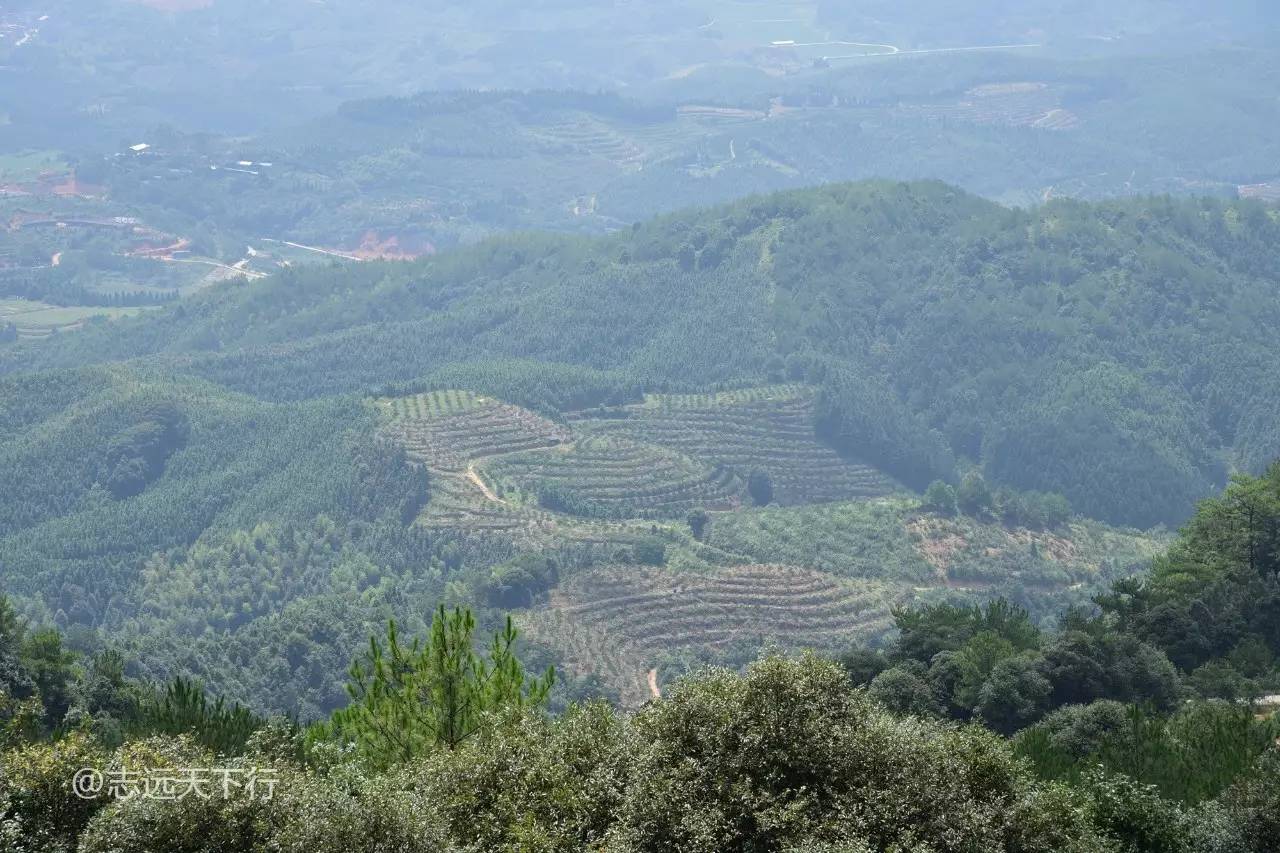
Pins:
x,y
1117,353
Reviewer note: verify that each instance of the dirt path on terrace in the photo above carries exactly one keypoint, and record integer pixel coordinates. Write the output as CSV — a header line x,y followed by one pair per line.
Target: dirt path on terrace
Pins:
x,y
653,684
480,484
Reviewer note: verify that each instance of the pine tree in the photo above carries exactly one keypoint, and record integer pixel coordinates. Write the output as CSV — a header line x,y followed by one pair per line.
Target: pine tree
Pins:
x,y
183,708
407,701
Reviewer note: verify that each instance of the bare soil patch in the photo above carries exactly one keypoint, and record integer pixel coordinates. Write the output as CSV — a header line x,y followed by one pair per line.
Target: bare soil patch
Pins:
x,y
939,541
374,246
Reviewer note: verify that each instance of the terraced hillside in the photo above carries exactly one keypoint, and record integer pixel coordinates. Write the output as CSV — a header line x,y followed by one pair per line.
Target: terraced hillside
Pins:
x,y
446,431
819,568
614,477
593,137
767,428
431,405
617,623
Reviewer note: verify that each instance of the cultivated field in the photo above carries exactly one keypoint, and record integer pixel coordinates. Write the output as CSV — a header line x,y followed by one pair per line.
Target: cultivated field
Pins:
x,y
446,430
434,404
496,466
449,431
620,622
39,320
767,428
616,477
1269,191
585,134
30,166
820,567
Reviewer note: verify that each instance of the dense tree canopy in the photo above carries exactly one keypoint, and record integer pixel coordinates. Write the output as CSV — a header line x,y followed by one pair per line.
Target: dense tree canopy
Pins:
x,y
1113,748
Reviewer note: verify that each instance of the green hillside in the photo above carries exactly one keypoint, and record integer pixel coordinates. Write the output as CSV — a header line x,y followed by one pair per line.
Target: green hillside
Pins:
x,y
403,177
240,484
570,426
934,325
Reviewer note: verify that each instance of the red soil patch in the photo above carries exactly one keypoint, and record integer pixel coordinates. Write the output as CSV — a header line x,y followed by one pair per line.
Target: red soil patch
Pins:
x,y
1266,192
63,184
164,253
1053,547
72,186
375,247
937,541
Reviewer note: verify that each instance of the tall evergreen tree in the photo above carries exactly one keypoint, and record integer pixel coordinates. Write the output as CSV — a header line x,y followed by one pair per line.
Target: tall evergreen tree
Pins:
x,y
410,700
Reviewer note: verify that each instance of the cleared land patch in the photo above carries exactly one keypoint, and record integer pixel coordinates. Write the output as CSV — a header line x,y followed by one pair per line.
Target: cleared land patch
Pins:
x,y
893,540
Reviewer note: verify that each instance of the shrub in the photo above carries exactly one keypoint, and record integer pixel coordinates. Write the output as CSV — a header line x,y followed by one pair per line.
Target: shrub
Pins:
x,y
1080,730
537,784
1014,695
863,664
974,496
940,497
517,582
1253,803
760,487
307,812
792,754
35,792
1134,815
353,811
650,551
905,689
697,519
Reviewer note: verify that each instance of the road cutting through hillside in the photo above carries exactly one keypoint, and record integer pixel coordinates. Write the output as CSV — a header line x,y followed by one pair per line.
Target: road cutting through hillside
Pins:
x,y
920,52
653,684
316,249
